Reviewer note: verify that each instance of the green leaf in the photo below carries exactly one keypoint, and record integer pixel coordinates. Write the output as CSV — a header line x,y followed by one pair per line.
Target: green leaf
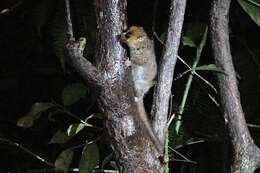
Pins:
x,y
75,128
89,159
210,67
252,8
72,93
63,161
60,137
187,41
34,114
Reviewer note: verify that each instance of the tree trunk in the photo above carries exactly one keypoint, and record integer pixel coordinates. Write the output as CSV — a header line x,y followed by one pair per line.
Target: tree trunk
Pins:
x,y
134,149
166,71
246,155
111,77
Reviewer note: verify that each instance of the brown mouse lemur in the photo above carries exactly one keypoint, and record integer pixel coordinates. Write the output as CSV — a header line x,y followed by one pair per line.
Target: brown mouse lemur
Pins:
x,y
143,62
144,69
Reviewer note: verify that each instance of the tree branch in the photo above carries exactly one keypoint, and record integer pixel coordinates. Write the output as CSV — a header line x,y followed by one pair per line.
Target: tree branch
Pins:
x,y
75,54
85,68
166,69
246,155
68,19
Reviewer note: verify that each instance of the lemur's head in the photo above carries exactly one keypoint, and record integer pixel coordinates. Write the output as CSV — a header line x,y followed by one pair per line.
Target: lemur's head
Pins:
x,y
134,36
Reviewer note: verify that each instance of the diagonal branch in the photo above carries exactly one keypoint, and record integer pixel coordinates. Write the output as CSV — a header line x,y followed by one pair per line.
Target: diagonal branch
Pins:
x,y
166,71
75,50
84,67
246,155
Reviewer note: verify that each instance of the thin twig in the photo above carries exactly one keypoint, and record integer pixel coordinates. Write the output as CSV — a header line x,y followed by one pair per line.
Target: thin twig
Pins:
x,y
9,142
178,153
255,3
157,37
196,74
213,99
190,143
62,109
12,8
51,170
86,143
106,171
253,125
189,67
180,160
170,120
69,22
187,161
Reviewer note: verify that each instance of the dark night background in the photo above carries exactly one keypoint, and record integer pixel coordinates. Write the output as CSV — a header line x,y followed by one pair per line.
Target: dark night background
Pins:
x,y
32,69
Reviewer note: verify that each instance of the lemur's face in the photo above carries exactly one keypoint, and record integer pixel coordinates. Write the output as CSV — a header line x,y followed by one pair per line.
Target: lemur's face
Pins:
x,y
134,37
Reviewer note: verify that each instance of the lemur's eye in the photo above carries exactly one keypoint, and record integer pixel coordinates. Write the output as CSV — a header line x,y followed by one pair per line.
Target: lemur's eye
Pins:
x,y
128,34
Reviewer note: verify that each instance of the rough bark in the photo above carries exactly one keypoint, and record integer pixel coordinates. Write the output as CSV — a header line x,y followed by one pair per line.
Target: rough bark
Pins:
x,y
133,147
88,72
166,69
135,151
246,155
